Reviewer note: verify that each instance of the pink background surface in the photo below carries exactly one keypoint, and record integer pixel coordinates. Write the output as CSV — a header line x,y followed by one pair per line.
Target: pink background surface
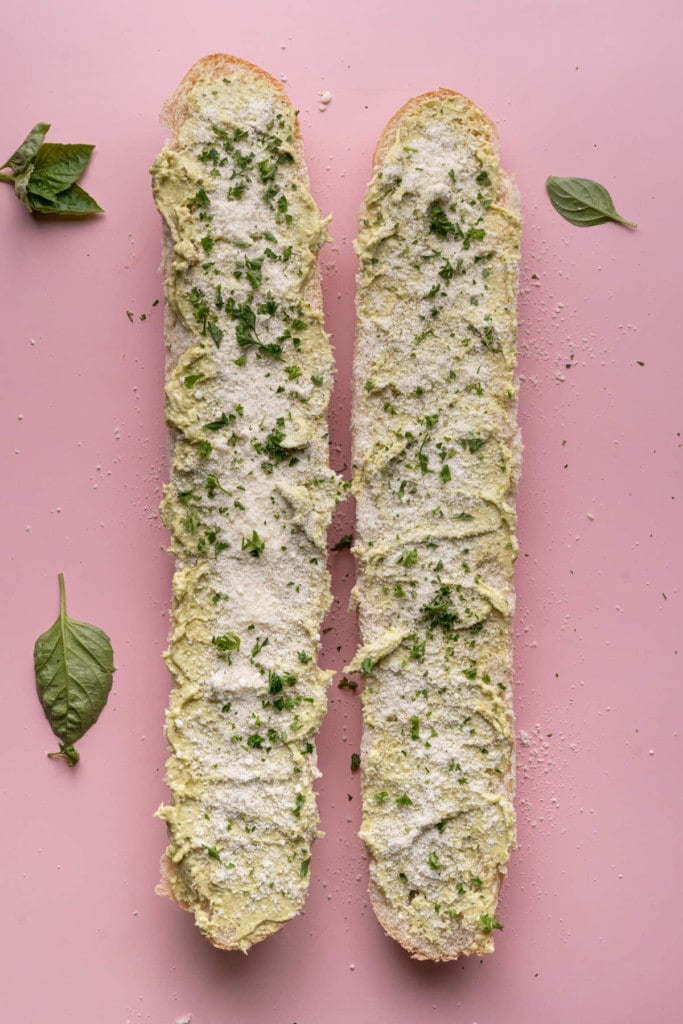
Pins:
x,y
592,909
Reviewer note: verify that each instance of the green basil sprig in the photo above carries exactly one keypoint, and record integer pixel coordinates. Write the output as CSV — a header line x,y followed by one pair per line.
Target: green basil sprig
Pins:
x,y
74,664
44,175
583,202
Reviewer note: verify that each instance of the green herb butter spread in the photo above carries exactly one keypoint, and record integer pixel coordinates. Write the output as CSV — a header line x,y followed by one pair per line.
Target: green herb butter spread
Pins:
x,y
248,383
436,461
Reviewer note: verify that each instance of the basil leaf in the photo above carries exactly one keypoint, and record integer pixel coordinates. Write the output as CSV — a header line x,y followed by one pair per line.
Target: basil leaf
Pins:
x,y
21,180
45,175
74,664
74,202
57,166
583,202
23,156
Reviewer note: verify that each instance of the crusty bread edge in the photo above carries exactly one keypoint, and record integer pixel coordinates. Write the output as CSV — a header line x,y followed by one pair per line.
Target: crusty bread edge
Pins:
x,y
173,114
510,198
214,65
393,126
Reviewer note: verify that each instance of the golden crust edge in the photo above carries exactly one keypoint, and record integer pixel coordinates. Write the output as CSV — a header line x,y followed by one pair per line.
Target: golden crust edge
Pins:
x,y
215,66
433,953
218,939
510,195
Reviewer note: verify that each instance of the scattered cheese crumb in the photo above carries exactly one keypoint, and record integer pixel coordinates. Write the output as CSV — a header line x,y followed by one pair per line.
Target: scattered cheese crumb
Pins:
x,y
326,97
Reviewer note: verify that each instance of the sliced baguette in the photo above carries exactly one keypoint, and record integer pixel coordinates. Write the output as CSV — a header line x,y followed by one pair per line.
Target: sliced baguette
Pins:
x,y
436,454
249,375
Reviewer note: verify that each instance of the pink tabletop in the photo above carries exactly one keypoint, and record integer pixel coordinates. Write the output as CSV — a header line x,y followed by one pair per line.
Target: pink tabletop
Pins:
x,y
592,908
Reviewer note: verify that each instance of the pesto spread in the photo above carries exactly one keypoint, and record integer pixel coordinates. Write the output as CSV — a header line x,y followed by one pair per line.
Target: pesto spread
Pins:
x,y
249,376
436,458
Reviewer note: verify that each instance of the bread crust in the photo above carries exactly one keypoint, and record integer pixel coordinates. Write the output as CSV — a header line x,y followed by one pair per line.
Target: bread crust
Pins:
x,y
393,126
214,65
175,112
389,920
